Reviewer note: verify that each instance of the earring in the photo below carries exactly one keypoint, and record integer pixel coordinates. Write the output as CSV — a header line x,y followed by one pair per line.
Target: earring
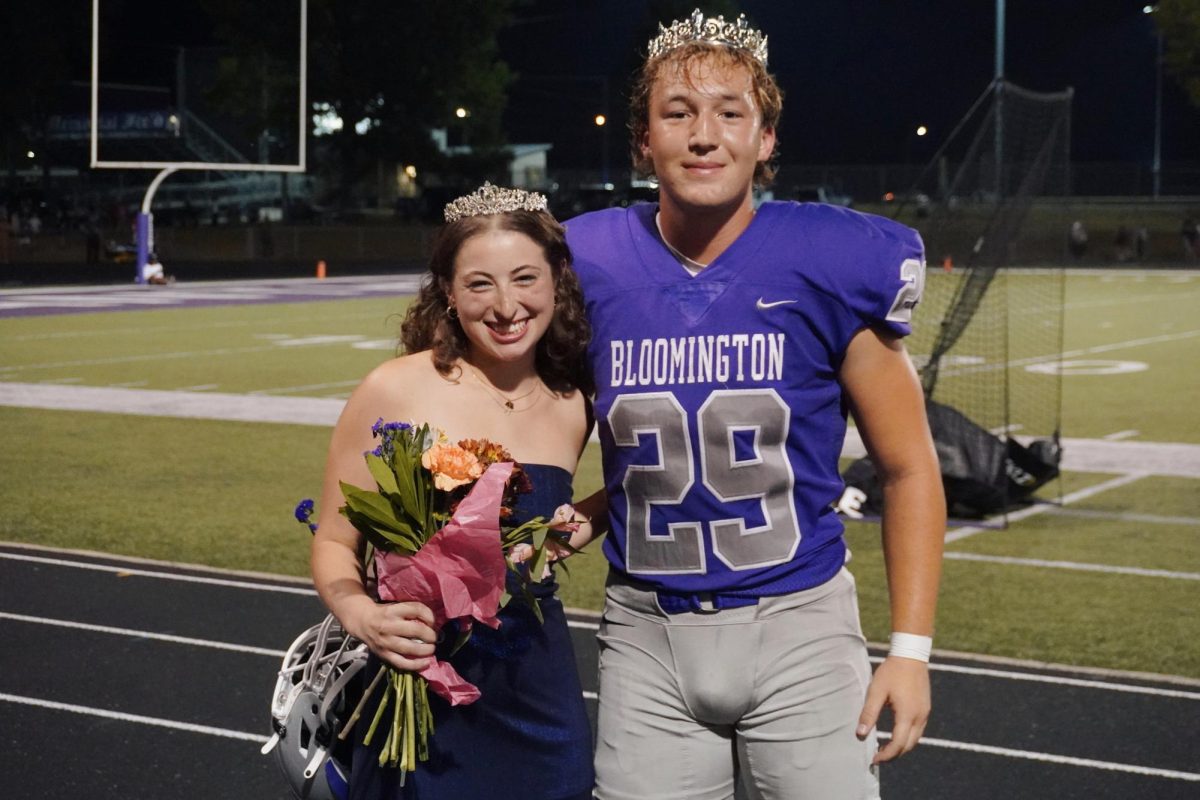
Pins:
x,y
451,312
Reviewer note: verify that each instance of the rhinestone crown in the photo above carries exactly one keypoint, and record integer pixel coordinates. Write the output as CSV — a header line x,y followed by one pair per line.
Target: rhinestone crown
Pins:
x,y
489,199
716,30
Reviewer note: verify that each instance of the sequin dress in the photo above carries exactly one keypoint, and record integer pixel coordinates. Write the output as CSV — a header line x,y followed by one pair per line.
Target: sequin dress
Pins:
x,y
528,736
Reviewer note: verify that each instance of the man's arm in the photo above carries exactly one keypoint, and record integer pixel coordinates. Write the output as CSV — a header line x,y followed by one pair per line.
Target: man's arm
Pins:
x,y
889,409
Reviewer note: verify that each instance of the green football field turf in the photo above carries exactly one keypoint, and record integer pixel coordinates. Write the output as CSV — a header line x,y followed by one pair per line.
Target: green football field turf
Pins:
x,y
1111,579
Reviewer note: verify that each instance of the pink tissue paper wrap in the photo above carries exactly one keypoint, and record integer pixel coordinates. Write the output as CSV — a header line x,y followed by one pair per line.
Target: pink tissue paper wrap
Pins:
x,y
459,573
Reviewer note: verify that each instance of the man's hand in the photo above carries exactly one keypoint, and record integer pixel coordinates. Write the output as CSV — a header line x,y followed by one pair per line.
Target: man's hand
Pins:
x,y
903,684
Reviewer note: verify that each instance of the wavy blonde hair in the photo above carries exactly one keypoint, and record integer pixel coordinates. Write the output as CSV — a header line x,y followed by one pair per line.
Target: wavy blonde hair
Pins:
x,y
688,59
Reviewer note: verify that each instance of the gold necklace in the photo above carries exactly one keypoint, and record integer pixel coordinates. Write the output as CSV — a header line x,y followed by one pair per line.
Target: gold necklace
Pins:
x,y
508,403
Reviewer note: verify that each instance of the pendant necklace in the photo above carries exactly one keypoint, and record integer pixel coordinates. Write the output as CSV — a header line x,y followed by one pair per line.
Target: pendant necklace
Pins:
x,y
508,403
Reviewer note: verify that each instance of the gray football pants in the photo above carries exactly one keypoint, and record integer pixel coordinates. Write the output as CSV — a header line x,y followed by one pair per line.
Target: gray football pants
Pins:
x,y
776,688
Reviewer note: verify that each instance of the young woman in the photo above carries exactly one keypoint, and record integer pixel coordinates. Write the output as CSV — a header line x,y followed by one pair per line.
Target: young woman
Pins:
x,y
494,345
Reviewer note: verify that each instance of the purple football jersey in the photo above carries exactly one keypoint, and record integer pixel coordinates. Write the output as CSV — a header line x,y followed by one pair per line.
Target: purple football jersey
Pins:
x,y
719,408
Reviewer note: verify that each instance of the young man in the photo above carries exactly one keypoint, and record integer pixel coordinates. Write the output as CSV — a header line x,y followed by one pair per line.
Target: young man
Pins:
x,y
728,343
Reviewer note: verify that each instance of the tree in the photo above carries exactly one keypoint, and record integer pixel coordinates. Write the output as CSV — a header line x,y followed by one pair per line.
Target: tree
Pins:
x,y
393,71
36,41
1178,22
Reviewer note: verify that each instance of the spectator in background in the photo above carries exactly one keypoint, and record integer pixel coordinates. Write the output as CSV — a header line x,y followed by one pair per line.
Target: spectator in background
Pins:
x,y
3,235
1077,240
1190,233
154,273
92,242
1123,244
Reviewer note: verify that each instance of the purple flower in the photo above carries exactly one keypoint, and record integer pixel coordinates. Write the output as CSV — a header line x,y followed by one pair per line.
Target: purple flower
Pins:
x,y
304,512
386,432
380,427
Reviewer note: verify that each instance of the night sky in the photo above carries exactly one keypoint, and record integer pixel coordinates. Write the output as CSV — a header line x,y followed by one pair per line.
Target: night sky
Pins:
x,y
860,75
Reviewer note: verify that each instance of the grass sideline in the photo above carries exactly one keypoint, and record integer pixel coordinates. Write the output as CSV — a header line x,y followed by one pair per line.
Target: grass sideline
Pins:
x,y
221,493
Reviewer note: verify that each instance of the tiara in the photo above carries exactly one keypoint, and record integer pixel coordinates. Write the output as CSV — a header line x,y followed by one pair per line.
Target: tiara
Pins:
x,y
714,30
489,199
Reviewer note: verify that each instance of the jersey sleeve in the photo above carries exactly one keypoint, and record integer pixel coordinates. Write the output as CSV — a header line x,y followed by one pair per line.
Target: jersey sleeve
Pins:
x,y
874,265
593,238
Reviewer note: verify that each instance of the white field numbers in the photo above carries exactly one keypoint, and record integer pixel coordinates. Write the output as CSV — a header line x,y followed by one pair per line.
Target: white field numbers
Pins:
x,y
767,476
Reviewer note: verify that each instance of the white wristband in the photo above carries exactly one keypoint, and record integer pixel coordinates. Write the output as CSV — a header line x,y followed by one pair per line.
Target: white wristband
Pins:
x,y
911,645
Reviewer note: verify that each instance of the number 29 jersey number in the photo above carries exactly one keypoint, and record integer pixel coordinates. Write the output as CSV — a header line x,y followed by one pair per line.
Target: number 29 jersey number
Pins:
x,y
720,414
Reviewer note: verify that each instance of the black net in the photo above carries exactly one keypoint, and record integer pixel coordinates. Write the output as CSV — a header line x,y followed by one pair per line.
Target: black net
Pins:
x,y
983,330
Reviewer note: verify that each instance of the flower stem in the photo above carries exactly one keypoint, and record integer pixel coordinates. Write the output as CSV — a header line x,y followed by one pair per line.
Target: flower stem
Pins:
x,y
358,709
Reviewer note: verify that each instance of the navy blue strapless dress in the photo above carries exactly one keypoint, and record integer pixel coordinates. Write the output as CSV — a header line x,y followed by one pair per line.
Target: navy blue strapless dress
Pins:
x,y
528,736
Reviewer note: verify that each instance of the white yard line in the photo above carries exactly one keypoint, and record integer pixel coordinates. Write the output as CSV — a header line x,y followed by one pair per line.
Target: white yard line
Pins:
x,y
1068,354
992,523
306,388
1080,455
190,405
1123,516
1119,435
1142,572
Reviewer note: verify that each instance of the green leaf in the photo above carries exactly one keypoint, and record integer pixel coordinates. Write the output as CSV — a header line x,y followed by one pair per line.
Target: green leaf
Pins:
x,y
372,505
464,635
382,474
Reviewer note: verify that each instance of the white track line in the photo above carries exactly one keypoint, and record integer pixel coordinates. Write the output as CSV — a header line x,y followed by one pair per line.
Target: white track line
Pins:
x,y
993,523
1075,565
926,741
954,668
163,637
1112,766
1083,683
171,576
593,624
138,718
1031,677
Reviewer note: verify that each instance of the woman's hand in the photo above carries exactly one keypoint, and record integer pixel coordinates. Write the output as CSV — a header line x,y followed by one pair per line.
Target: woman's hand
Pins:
x,y
400,634
565,520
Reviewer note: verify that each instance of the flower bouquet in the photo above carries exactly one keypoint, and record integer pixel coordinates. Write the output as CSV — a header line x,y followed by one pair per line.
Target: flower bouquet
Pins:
x,y
435,523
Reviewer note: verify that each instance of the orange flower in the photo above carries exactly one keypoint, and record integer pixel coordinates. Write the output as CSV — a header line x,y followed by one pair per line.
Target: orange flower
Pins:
x,y
451,466
486,451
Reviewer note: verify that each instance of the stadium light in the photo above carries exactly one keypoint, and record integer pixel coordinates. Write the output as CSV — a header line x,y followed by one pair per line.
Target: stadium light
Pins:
x,y
29,154
922,130
601,119
461,113
410,171
1156,168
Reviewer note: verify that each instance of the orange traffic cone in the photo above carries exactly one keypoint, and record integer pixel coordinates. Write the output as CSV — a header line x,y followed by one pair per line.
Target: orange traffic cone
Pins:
x,y
321,270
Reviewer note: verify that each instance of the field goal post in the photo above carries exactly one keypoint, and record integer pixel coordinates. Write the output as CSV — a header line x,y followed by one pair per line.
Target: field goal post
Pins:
x,y
145,217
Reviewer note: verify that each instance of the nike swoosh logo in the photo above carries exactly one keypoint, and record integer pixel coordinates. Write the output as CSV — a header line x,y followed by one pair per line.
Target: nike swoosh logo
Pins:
x,y
763,304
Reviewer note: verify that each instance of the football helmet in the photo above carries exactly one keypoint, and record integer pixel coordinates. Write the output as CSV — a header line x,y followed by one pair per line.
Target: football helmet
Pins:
x,y
309,707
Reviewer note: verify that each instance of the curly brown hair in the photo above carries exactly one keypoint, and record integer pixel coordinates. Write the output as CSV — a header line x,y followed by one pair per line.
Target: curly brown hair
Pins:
x,y
686,59
560,354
